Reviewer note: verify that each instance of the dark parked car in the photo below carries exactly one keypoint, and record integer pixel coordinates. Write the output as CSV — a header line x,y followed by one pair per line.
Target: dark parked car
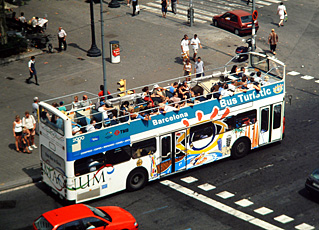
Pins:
x,y
312,183
237,21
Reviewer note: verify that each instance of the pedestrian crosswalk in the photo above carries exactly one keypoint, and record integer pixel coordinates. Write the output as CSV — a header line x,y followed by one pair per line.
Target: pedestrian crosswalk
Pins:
x,y
204,10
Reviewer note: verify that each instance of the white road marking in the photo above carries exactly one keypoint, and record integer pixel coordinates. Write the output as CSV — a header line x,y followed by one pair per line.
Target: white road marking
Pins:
x,y
189,179
206,187
304,226
17,188
225,194
317,81
244,203
307,77
263,211
293,73
283,219
220,206
273,1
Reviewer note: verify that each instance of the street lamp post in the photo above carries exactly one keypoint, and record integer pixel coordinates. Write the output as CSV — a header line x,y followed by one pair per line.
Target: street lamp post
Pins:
x,y
93,51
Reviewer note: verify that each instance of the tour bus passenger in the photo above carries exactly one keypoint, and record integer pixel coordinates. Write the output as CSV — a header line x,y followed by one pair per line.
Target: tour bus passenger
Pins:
x,y
76,104
104,110
85,101
149,109
133,115
234,71
91,126
158,94
265,81
114,120
253,85
62,107
142,115
242,72
258,78
172,89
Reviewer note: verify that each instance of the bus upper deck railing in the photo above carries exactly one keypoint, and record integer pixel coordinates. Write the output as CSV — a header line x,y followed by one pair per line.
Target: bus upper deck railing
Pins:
x,y
271,69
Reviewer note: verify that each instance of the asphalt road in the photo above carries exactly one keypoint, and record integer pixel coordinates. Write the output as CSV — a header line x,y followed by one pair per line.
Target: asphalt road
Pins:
x,y
271,177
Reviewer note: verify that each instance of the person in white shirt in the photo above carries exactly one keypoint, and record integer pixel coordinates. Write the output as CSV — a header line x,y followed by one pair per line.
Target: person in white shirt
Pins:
x,y
29,122
281,11
62,39
185,45
195,42
199,67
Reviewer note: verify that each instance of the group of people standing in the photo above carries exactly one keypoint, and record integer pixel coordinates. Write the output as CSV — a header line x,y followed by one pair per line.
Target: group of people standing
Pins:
x,y
166,3
199,64
24,129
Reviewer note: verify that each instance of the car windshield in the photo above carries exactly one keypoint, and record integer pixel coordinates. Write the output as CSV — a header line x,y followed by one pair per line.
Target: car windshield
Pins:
x,y
315,174
42,224
246,19
100,213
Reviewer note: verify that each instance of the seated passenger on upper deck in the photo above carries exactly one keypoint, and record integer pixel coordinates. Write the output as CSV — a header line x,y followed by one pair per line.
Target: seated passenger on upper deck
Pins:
x,y
76,104
242,72
91,126
142,115
158,94
172,89
85,101
104,110
234,71
253,85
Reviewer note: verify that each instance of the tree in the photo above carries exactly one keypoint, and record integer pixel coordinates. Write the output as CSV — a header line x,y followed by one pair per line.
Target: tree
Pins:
x,y
3,26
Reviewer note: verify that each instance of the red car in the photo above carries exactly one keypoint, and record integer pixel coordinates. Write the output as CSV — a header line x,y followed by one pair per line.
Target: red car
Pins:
x,y
82,217
237,21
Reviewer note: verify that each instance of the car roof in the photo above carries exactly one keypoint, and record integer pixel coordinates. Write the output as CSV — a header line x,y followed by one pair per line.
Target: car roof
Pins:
x,y
240,13
67,214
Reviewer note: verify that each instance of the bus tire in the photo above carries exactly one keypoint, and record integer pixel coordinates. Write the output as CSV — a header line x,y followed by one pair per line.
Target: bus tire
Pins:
x,y
240,148
136,180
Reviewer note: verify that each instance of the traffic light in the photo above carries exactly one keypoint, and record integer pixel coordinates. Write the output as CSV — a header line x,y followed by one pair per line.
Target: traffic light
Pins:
x,y
122,88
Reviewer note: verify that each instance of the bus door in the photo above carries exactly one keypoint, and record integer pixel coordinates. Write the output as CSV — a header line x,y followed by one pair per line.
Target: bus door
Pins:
x,y
276,132
180,150
173,153
165,165
264,121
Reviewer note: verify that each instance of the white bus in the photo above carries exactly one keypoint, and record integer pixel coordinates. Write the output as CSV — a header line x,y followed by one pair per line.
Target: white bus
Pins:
x,y
124,153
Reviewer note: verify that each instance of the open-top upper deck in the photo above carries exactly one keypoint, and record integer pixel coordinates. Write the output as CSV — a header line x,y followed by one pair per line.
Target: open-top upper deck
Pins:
x,y
118,128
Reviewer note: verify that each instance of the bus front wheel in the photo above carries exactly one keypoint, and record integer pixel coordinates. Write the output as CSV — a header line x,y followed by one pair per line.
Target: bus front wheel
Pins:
x,y
240,148
136,180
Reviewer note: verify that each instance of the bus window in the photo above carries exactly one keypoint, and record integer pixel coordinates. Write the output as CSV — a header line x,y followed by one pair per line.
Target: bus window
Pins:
x,y
88,164
230,123
264,119
118,155
277,116
166,147
246,118
202,131
143,148
53,121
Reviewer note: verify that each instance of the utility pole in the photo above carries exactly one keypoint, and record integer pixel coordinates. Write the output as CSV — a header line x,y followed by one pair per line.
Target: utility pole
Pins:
x,y
103,48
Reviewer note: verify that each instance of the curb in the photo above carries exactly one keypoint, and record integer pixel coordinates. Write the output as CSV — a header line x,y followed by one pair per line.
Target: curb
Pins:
x,y
20,56
20,182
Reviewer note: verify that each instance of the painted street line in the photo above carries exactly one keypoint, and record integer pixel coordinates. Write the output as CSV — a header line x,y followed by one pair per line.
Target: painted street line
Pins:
x,y
283,219
189,179
244,203
17,188
220,206
317,81
206,187
293,73
304,226
306,77
225,195
263,211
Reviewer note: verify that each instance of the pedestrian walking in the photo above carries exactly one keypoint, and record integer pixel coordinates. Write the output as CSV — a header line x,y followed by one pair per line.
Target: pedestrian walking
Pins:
x,y
62,39
273,40
199,67
164,8
185,45
17,132
32,70
195,42
174,5
282,12
134,4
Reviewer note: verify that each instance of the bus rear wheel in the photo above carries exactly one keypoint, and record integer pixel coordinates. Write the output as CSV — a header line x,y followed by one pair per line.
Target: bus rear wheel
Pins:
x,y
136,180
240,148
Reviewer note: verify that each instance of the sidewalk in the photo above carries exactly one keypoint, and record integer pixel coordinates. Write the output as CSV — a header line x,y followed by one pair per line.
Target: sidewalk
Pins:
x,y
150,52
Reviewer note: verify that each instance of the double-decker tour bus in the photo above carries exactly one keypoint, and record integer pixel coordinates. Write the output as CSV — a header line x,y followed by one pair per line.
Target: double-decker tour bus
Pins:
x,y
82,160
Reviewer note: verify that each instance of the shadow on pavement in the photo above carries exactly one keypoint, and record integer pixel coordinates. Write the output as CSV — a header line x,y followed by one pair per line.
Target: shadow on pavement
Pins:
x,y
311,197
77,46
33,171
